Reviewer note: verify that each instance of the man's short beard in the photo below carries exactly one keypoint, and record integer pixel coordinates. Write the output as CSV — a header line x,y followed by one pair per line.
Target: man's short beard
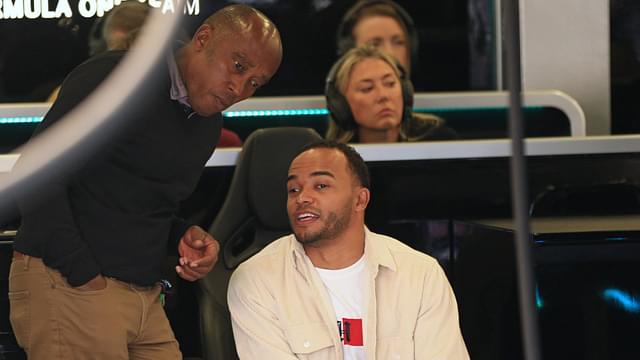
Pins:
x,y
334,226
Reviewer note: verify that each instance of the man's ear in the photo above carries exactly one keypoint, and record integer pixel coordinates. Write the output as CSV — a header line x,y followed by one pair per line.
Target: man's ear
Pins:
x,y
202,36
362,200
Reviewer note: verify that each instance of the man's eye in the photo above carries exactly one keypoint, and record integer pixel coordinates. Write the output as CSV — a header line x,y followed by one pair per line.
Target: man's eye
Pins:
x,y
255,84
238,66
322,186
293,190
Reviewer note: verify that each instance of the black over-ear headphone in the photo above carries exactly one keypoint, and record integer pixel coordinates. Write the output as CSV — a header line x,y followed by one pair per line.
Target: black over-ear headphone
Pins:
x,y
338,105
345,40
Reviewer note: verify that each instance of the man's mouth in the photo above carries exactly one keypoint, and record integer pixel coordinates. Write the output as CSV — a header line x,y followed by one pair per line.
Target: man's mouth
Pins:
x,y
305,217
223,103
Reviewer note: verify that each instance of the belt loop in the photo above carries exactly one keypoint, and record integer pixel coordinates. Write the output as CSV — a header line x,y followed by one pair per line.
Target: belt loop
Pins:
x,y
26,259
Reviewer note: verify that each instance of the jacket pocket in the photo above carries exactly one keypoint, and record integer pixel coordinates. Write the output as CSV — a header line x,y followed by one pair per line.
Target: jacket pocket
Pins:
x,y
20,316
309,339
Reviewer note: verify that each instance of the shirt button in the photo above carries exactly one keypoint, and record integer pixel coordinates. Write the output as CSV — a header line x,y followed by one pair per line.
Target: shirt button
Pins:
x,y
306,344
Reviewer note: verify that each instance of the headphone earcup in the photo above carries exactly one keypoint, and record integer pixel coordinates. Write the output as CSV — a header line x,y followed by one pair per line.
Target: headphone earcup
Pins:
x,y
344,40
344,43
412,33
337,104
407,92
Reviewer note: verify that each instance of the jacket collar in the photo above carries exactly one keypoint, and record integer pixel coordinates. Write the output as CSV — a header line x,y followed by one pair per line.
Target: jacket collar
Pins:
x,y
377,253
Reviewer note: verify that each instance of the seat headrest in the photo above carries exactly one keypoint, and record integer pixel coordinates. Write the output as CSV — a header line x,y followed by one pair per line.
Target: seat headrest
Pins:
x,y
269,153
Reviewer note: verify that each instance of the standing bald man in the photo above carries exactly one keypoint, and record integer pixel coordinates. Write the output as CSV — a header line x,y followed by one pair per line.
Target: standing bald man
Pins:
x,y
87,260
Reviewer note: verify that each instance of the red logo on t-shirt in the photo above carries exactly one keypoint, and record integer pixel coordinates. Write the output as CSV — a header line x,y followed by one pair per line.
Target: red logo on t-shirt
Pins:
x,y
351,331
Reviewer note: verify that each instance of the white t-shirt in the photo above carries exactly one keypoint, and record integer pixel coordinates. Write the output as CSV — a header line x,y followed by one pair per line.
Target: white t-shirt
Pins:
x,y
346,290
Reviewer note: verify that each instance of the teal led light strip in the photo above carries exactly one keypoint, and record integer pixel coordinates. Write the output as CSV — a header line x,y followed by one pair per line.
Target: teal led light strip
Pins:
x,y
243,113
21,120
282,112
278,112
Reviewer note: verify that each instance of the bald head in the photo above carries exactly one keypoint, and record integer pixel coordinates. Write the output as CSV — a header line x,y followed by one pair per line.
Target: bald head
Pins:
x,y
233,53
244,20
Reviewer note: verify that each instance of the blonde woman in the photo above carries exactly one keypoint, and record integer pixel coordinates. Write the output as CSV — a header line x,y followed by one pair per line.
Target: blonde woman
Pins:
x,y
370,100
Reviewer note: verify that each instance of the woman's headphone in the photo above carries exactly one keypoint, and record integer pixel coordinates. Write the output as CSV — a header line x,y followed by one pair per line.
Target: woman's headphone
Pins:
x,y
338,105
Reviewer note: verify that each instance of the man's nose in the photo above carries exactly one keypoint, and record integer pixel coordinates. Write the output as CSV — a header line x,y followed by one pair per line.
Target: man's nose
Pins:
x,y
235,86
303,197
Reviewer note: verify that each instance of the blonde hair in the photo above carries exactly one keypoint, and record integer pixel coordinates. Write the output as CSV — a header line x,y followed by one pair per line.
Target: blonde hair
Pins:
x,y
123,23
342,74
354,56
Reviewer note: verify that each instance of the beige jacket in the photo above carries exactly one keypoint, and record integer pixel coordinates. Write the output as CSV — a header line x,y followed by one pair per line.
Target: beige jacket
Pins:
x,y
280,308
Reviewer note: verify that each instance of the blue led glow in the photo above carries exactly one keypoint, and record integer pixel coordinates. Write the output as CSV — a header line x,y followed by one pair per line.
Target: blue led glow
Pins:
x,y
623,299
20,120
277,112
243,113
539,301
265,113
616,238
282,112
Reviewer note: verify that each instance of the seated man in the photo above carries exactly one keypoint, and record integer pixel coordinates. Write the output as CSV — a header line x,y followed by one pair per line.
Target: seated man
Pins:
x,y
334,289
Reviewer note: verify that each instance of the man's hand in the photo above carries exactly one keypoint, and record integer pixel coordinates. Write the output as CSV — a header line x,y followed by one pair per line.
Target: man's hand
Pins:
x,y
97,283
198,253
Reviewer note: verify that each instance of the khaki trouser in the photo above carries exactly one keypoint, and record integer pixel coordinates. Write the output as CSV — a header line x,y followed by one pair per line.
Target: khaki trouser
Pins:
x,y
52,320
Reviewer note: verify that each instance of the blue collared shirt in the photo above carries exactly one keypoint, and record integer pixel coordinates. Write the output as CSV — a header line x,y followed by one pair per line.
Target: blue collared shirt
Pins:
x,y
178,91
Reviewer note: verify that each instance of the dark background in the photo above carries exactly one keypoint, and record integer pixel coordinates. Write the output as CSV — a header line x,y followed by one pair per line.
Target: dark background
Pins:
x,y
36,54
456,49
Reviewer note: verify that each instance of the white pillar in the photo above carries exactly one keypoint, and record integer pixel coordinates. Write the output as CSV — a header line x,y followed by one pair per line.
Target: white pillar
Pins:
x,y
565,46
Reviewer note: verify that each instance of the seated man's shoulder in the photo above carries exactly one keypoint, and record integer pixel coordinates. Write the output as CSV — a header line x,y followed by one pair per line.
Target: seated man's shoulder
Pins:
x,y
404,254
269,258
